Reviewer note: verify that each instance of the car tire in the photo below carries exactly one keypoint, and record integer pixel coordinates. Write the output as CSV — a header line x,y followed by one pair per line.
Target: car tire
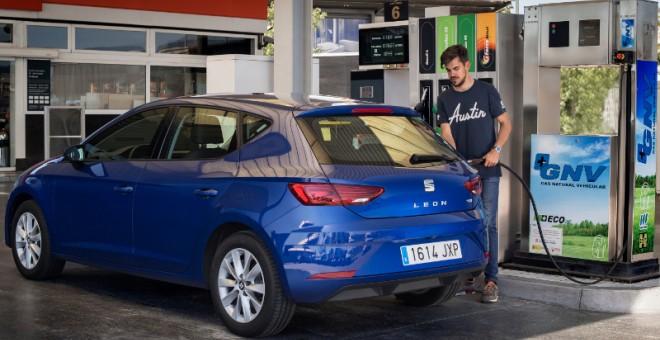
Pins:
x,y
430,297
244,274
32,247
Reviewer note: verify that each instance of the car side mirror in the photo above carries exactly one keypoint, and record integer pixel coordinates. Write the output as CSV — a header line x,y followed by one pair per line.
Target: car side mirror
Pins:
x,y
75,155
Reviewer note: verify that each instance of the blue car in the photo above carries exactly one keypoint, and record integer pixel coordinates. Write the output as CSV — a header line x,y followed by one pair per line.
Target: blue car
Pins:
x,y
265,203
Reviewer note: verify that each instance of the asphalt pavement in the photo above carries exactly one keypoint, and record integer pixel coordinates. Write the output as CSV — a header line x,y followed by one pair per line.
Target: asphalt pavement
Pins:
x,y
90,303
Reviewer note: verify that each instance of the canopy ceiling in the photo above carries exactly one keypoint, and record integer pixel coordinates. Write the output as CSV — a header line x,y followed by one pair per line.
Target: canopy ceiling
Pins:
x,y
416,6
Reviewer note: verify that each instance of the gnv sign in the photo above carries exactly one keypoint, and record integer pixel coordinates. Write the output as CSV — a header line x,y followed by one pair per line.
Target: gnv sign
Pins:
x,y
549,171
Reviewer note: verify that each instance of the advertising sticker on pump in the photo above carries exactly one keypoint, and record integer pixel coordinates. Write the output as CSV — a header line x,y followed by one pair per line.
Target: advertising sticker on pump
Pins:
x,y
570,182
446,28
486,41
645,157
466,31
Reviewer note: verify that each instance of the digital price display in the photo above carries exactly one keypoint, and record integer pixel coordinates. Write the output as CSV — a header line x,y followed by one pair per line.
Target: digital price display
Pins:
x,y
384,45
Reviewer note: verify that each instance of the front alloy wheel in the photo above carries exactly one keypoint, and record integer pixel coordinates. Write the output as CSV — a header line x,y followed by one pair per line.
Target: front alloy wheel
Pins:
x,y
32,244
28,240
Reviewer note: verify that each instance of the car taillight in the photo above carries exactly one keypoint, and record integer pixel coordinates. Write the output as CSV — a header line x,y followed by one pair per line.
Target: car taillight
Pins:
x,y
337,194
372,111
473,185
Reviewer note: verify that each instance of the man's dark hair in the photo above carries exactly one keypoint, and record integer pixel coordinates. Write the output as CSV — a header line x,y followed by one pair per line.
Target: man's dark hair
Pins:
x,y
452,52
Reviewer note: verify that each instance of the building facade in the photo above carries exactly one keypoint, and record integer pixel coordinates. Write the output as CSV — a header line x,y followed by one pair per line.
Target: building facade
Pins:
x,y
69,66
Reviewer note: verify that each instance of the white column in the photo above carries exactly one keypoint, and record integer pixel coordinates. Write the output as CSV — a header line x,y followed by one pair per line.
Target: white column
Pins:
x,y
292,78
17,119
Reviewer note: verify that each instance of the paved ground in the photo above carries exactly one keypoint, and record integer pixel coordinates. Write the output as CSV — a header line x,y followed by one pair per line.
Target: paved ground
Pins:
x,y
88,303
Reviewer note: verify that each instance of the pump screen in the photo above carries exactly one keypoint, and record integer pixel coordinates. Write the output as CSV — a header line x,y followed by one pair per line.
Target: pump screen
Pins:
x,y
558,34
384,45
589,33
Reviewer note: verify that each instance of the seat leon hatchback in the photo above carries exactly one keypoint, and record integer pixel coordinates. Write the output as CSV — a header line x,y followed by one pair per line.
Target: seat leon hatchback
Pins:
x,y
265,203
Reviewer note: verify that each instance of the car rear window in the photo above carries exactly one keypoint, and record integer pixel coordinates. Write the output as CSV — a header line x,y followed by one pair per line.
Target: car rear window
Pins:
x,y
373,140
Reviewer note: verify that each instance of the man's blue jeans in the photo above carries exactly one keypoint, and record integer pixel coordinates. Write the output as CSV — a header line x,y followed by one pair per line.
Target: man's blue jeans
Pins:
x,y
489,195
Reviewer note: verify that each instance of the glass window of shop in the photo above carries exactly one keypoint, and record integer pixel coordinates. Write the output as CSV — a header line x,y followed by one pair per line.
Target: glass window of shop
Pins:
x,y
178,43
6,85
168,82
7,105
6,33
110,40
338,35
39,36
98,86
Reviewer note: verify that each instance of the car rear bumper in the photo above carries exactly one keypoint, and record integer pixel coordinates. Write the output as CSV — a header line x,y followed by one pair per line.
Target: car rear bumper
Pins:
x,y
364,258
358,291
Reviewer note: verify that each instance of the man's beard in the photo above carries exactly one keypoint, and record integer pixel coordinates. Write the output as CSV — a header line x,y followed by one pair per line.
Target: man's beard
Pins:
x,y
460,83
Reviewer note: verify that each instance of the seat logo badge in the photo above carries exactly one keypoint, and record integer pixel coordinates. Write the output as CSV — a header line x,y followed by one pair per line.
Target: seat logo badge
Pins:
x,y
428,185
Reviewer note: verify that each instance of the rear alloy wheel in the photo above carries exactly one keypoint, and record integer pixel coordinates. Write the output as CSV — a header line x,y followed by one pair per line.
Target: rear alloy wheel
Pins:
x,y
430,297
32,245
246,289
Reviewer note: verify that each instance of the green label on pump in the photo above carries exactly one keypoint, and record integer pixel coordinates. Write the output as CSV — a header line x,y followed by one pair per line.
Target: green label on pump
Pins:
x,y
446,37
466,37
645,157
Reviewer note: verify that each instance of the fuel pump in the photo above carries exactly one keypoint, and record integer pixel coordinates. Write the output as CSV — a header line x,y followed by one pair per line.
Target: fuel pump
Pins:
x,y
383,63
589,108
495,54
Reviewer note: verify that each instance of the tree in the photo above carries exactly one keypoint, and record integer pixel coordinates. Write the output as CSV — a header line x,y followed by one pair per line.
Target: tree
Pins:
x,y
585,94
317,16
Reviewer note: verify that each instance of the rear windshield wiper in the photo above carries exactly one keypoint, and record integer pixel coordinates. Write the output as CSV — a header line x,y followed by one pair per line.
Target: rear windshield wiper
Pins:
x,y
419,158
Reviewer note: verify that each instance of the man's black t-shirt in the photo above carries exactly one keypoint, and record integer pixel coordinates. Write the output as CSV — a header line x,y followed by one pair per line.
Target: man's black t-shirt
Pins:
x,y
471,115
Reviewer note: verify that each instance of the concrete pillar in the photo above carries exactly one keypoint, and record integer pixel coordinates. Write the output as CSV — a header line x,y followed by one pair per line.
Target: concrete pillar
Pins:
x,y
292,78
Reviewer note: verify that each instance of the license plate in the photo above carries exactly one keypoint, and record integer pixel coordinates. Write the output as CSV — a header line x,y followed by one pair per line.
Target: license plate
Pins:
x,y
431,252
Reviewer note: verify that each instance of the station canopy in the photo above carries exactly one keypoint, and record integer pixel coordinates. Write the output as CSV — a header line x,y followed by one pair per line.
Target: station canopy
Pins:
x,y
416,6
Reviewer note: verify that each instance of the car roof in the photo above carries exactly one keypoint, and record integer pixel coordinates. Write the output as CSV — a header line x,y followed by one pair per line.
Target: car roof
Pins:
x,y
255,101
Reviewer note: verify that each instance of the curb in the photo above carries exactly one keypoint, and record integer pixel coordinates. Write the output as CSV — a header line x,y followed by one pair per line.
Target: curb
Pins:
x,y
605,296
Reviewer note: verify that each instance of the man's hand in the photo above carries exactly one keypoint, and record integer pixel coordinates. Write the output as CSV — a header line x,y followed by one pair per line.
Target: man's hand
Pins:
x,y
491,158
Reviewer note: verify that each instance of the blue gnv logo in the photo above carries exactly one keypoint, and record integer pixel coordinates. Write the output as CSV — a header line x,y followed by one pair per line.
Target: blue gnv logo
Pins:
x,y
567,172
645,148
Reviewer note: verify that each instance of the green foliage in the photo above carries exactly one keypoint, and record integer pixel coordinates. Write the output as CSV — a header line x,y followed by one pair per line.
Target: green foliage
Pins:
x,y
269,49
584,228
649,180
506,9
583,95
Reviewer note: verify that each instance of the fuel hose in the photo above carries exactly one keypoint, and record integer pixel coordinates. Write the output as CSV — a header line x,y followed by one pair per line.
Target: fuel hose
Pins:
x,y
545,246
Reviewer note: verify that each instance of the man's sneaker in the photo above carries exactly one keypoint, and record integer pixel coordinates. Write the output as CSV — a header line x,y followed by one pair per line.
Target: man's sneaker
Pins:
x,y
490,292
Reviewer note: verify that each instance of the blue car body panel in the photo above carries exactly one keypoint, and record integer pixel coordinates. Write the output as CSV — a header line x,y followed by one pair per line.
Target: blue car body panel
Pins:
x,y
158,217
92,210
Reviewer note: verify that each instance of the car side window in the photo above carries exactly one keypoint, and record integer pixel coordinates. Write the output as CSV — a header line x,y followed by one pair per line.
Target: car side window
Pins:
x,y
253,126
202,133
131,138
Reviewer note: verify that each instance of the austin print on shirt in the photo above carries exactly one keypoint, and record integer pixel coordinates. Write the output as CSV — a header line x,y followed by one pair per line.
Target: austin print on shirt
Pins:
x,y
473,113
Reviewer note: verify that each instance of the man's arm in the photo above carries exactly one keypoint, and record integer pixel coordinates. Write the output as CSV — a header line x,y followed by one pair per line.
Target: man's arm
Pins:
x,y
445,131
493,157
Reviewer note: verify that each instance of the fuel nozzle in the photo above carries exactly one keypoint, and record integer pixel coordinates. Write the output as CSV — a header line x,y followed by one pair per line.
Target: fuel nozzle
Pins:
x,y
475,161
422,106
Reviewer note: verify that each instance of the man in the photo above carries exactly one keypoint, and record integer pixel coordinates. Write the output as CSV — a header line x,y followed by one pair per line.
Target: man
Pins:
x,y
466,114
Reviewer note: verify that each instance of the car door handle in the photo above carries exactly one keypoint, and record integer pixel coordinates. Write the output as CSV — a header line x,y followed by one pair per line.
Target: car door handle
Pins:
x,y
206,193
124,189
